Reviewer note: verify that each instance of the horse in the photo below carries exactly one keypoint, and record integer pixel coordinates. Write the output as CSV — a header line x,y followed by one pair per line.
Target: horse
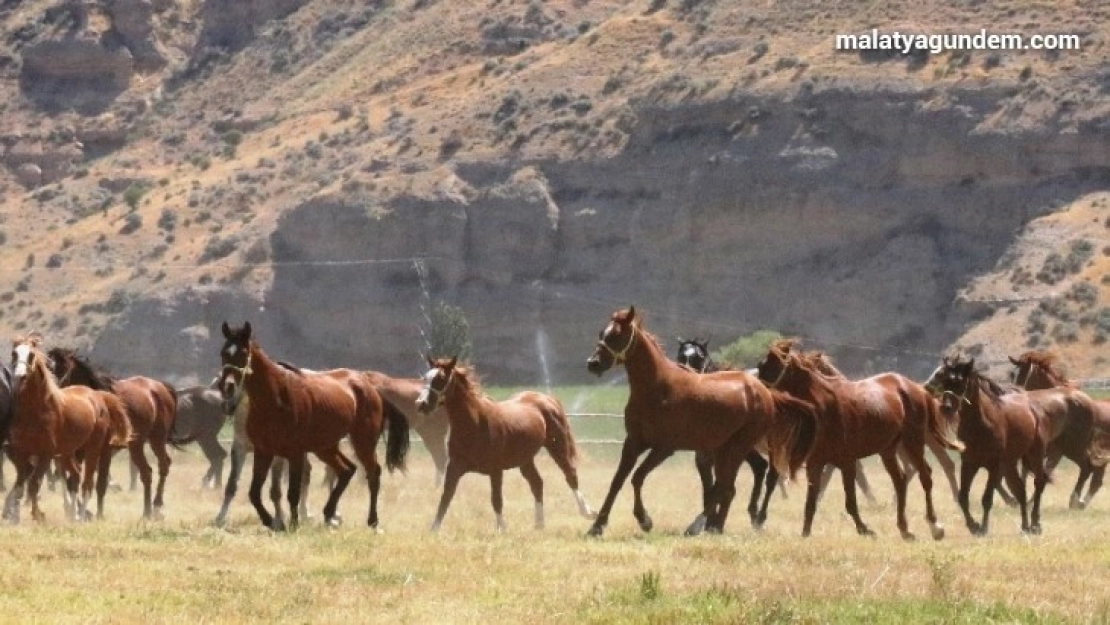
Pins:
x,y
292,413
490,437
859,418
998,429
671,407
432,427
695,355
152,408
7,406
78,426
200,418
1036,370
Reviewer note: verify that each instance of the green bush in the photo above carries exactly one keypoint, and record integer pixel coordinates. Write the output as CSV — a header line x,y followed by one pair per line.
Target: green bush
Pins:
x,y
450,333
747,350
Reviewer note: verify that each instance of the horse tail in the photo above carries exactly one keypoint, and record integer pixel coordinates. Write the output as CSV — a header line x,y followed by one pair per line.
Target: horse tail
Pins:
x,y
175,439
1098,448
559,441
120,433
792,434
941,422
397,441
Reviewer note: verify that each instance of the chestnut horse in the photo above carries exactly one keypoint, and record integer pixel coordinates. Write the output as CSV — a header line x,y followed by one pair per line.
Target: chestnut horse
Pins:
x,y
490,437
998,429
292,413
695,354
1036,370
71,424
432,427
859,418
152,408
671,407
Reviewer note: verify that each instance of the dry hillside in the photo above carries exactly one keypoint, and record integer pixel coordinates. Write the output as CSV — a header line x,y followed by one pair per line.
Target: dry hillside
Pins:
x,y
172,163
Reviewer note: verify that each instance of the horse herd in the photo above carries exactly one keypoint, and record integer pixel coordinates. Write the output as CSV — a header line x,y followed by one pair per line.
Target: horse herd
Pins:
x,y
794,410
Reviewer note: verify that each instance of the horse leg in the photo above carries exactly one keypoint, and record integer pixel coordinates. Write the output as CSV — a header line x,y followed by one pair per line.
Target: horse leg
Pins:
x,y
164,462
759,466
277,476
216,454
450,483
139,461
772,481
703,462
917,461
848,478
296,481
1035,462
434,435
654,458
23,470
535,483
994,477
1076,501
37,475
495,479
726,466
238,450
814,476
864,485
1016,480
75,508
103,474
344,471
262,462
568,465
630,453
898,478
967,476
1097,474
306,486
946,464
826,477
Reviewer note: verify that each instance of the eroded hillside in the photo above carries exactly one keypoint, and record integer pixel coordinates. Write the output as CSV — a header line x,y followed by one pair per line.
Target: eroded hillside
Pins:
x,y
328,168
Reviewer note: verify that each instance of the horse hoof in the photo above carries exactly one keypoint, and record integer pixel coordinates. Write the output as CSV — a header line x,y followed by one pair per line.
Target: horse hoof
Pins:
x,y
1076,503
938,532
866,531
645,523
277,525
596,531
713,530
1032,530
697,527
336,522
909,537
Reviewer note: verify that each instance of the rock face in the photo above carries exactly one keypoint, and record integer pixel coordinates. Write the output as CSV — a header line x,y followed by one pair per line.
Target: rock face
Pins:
x,y
231,23
133,21
849,218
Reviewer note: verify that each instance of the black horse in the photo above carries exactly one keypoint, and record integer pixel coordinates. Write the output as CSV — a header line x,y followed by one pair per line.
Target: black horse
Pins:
x,y
7,406
695,355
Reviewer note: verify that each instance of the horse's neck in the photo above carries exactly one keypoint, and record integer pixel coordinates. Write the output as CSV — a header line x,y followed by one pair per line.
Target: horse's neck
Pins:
x,y
463,405
266,375
810,384
645,363
36,393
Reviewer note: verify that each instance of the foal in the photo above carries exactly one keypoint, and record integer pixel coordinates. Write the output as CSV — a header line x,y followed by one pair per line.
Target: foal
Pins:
x,y
490,436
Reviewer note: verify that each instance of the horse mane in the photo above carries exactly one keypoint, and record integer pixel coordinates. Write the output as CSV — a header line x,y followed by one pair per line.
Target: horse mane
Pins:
x,y
98,379
993,389
1047,362
821,363
784,346
470,380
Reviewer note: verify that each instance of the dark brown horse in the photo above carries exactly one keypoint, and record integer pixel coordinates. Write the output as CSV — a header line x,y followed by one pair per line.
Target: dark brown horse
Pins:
x,y
74,425
152,408
857,419
1036,370
432,427
998,429
7,404
293,413
490,437
671,407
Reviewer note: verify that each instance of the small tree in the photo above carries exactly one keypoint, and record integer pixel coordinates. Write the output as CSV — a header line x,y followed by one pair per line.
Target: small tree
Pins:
x,y
450,334
746,351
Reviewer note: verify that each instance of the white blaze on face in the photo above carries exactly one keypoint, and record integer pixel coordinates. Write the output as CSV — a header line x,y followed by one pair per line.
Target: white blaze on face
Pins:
x,y
426,392
231,349
22,359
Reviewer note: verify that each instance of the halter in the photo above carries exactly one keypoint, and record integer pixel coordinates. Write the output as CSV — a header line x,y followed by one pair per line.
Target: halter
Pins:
x,y
439,392
618,357
243,372
782,374
960,396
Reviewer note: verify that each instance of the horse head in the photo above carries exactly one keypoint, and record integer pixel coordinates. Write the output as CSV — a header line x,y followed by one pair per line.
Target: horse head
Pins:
x,y
614,342
772,369
436,382
694,354
951,381
1036,370
235,361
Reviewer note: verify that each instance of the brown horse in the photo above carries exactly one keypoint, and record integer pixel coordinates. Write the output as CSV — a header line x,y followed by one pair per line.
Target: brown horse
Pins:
x,y
293,413
998,429
432,427
152,408
490,436
671,407
71,424
859,418
1037,370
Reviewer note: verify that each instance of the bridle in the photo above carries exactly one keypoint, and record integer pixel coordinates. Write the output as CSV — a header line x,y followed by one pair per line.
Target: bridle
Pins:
x,y
782,373
439,392
619,356
243,372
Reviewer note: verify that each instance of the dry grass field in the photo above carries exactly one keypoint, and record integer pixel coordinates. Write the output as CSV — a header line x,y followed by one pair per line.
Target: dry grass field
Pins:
x,y
125,570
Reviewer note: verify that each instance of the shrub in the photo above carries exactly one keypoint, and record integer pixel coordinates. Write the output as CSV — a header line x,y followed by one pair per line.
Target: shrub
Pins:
x,y
131,223
133,194
747,350
450,333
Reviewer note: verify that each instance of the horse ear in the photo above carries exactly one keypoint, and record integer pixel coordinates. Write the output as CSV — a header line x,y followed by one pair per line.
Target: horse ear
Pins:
x,y
247,330
226,330
971,365
631,313
1014,362
431,363
454,361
